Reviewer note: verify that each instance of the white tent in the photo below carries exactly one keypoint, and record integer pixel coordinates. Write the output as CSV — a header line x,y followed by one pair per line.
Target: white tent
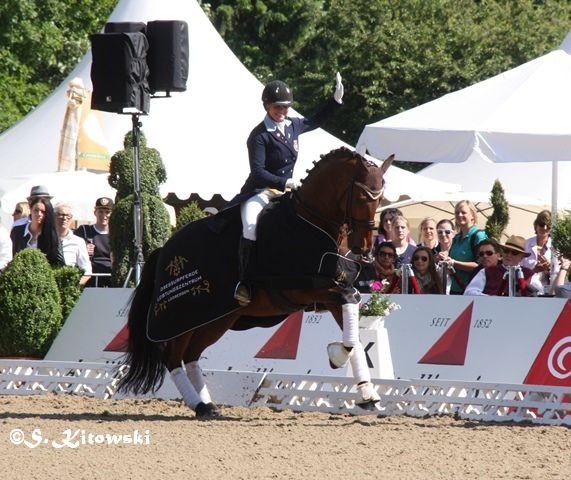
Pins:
x,y
521,116
201,133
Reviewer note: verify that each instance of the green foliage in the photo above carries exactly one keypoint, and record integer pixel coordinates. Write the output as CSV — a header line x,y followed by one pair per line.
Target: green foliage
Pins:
x,y
561,234
189,213
500,217
67,279
40,44
392,55
30,311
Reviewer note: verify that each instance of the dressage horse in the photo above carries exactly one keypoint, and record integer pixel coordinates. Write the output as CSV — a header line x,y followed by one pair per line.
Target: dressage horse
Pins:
x,y
184,303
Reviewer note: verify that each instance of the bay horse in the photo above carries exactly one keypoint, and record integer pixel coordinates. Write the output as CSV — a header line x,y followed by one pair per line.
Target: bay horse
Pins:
x,y
334,205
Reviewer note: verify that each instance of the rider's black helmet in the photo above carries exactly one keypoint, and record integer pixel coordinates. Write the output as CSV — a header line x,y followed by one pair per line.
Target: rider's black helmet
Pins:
x,y
277,92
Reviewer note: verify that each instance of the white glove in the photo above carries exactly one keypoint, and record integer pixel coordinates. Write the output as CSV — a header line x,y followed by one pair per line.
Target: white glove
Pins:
x,y
291,184
338,95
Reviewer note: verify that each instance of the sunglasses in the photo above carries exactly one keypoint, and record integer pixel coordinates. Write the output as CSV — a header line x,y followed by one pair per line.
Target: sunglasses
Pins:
x,y
512,252
17,212
66,216
542,224
386,254
487,253
444,232
422,258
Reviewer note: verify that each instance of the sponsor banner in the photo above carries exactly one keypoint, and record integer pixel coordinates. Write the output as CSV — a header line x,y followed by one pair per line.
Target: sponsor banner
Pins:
x,y
489,339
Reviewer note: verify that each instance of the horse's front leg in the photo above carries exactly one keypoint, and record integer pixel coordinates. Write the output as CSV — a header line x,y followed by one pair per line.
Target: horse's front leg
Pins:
x,y
347,316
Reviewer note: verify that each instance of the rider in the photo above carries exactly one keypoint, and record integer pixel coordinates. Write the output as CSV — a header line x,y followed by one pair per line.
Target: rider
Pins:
x,y
272,150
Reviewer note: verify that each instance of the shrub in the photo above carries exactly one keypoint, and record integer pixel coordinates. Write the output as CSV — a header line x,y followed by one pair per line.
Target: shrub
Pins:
x,y
30,311
156,222
500,217
67,279
189,213
561,234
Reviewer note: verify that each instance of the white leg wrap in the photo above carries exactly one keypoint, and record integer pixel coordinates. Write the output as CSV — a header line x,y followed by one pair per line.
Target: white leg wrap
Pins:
x,y
368,393
359,365
196,377
350,324
185,388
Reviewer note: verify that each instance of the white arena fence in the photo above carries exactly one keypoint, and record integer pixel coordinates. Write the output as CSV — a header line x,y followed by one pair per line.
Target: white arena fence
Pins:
x,y
490,402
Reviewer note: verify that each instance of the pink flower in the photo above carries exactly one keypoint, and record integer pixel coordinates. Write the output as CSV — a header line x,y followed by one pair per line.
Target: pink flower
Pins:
x,y
376,286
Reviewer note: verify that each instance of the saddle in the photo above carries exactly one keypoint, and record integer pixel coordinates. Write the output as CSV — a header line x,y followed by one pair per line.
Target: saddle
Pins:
x,y
198,268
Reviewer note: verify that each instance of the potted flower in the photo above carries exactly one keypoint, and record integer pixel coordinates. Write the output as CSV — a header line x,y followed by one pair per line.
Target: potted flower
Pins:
x,y
376,308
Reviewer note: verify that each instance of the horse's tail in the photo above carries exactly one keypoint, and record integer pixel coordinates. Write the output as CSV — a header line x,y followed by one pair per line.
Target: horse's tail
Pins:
x,y
145,358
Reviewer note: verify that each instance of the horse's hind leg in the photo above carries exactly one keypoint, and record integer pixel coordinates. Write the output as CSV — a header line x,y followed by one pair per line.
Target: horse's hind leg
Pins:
x,y
179,375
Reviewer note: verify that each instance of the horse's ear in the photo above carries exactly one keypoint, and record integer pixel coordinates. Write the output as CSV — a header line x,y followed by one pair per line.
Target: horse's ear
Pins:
x,y
387,163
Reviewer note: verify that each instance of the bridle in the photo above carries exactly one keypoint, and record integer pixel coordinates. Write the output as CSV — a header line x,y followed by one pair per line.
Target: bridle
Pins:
x,y
349,220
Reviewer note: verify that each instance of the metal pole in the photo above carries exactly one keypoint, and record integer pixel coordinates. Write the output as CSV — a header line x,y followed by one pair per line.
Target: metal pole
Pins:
x,y
139,259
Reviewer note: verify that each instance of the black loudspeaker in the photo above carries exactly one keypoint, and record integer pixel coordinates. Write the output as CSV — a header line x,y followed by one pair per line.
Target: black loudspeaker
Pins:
x,y
119,72
125,27
168,55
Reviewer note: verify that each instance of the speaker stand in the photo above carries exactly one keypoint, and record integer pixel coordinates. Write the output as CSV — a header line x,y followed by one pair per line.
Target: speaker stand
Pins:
x,y
138,258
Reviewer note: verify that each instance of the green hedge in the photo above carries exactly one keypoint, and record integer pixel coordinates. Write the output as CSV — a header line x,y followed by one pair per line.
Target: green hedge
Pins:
x,y
30,310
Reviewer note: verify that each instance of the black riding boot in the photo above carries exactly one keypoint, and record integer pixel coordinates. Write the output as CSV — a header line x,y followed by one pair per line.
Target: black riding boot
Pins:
x,y
243,292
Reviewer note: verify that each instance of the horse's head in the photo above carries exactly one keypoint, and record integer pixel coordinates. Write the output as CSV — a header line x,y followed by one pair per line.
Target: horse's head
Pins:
x,y
365,195
341,194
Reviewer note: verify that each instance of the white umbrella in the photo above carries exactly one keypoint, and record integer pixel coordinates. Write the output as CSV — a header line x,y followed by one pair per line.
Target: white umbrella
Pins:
x,y
522,115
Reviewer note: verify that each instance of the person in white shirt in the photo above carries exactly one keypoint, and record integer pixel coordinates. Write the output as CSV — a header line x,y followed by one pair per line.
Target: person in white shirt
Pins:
x,y
542,259
74,248
5,247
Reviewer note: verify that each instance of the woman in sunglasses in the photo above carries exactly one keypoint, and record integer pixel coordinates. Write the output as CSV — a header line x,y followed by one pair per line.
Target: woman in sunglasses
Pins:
x,y
424,269
382,269
541,258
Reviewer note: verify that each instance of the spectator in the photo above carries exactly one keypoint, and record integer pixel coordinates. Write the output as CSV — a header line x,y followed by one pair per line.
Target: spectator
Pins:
x,y
424,269
562,288
21,210
427,234
40,232
74,249
5,247
494,281
385,230
97,239
382,269
463,252
445,231
39,191
489,279
541,258
403,248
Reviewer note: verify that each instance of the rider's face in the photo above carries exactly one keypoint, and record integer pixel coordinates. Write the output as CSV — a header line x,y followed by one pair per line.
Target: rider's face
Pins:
x,y
278,113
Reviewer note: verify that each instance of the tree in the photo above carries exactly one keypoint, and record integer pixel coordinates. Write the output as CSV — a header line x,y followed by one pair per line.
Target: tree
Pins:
x,y
156,223
41,42
500,217
393,55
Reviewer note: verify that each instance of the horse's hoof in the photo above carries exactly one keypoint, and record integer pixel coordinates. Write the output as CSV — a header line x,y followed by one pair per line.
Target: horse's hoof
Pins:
x,y
338,354
206,410
369,405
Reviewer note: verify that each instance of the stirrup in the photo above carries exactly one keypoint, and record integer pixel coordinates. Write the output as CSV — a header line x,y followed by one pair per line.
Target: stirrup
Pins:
x,y
338,354
243,294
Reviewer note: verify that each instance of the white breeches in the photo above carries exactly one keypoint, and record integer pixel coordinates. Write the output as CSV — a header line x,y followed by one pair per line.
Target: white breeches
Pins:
x,y
250,210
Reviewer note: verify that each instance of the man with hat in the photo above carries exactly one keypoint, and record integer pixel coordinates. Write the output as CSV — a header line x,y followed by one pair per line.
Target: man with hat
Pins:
x,y
493,280
37,191
96,237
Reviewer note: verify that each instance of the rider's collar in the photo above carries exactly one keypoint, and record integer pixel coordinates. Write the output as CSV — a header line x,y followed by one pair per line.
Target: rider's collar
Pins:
x,y
272,126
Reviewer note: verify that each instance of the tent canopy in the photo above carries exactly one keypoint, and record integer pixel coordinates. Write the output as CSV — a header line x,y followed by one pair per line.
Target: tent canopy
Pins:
x,y
521,116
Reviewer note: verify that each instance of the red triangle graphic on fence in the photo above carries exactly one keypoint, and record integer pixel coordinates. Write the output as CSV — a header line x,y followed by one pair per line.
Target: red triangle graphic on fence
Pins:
x,y
450,348
283,344
119,342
